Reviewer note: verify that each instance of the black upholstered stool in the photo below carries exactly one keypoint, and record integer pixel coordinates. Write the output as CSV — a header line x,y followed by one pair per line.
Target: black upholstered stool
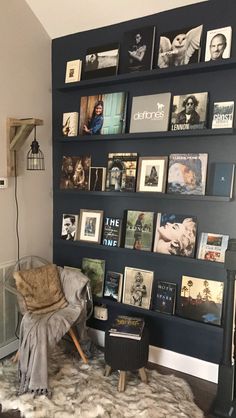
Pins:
x,y
126,354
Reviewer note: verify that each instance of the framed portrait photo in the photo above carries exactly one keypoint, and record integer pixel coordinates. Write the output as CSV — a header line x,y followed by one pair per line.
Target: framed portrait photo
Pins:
x,y
90,225
137,290
152,174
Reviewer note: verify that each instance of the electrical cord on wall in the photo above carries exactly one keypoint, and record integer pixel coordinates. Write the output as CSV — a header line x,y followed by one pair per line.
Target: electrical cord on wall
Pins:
x,y
17,231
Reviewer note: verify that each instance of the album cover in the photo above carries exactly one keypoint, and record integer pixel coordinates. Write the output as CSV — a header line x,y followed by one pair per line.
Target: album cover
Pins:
x,y
75,172
201,300
150,113
165,297
102,114
70,124
94,269
221,181
137,50
121,172
139,230
180,47
112,232
218,44
175,234
189,111
97,179
101,61
69,227
212,247
187,173
113,285
73,71
223,114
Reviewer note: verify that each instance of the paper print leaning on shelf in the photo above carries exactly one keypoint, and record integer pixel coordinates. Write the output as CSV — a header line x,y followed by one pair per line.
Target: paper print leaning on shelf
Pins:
x,y
103,114
152,174
112,232
139,230
94,269
164,297
201,300
180,47
73,71
212,247
121,172
69,227
97,179
189,111
137,289
187,174
113,285
150,113
70,124
90,225
175,234
218,44
75,172
137,50
101,61
127,327
221,181
223,114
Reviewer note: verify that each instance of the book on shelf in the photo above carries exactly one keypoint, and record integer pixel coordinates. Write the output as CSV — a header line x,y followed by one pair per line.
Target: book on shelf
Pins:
x,y
121,172
189,111
103,114
73,71
150,113
218,43
137,49
201,300
75,172
175,234
97,179
139,230
70,123
112,229
223,114
180,47
101,61
113,285
94,269
127,327
69,227
164,299
212,247
221,181
187,173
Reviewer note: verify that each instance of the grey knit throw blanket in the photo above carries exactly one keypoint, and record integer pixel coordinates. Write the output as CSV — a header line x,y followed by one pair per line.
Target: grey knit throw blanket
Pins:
x,y
40,333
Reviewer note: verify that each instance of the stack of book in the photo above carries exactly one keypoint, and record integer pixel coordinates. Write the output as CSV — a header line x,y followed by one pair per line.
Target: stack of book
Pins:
x,y
127,327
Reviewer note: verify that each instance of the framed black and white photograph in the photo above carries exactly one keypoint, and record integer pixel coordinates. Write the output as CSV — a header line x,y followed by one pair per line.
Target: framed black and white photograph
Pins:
x,y
97,179
218,44
137,290
69,226
73,71
101,61
90,225
152,174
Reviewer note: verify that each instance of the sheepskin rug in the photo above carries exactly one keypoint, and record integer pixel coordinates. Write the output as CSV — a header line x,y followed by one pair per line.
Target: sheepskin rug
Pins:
x,y
83,391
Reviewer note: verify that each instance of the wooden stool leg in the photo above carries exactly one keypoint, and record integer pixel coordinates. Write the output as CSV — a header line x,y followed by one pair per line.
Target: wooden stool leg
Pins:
x,y
77,344
143,374
15,358
107,370
121,383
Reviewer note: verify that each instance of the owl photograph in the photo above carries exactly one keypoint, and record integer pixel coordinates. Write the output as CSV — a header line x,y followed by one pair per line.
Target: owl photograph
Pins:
x,y
180,47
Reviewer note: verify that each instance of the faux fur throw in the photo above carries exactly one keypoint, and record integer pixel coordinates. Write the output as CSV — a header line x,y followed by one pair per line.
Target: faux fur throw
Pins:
x,y
41,289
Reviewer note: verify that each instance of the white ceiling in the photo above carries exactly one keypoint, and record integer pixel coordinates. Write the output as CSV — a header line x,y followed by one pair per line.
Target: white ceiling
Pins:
x,y
63,17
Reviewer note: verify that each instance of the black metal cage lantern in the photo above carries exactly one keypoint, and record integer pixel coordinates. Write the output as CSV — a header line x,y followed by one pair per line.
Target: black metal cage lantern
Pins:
x,y
35,157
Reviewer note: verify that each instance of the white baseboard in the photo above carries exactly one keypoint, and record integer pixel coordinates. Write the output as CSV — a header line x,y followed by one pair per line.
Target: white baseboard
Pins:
x,y
185,364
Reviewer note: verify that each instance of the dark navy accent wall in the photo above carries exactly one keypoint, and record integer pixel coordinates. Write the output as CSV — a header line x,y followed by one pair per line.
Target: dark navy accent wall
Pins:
x,y
214,215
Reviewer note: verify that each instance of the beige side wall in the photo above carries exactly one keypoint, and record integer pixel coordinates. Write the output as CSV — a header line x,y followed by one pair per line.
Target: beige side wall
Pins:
x,y
25,91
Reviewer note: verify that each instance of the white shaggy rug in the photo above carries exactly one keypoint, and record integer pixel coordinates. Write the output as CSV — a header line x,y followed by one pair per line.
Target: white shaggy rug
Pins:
x,y
81,390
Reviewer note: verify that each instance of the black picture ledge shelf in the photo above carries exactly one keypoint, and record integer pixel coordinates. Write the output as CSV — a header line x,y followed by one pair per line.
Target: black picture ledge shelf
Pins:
x,y
150,135
151,74
145,195
149,312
